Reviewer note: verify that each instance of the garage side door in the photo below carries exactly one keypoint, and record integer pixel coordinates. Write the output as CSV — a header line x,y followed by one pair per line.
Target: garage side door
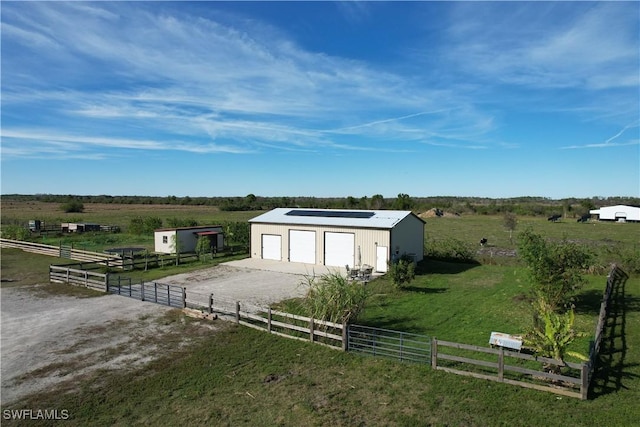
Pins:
x,y
272,247
339,249
302,246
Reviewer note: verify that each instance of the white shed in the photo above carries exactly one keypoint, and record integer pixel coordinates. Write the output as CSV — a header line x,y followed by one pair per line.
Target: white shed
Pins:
x,y
621,213
187,238
336,237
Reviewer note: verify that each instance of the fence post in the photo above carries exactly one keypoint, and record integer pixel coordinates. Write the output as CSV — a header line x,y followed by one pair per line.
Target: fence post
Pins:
x,y
584,381
86,278
501,364
155,292
311,329
141,290
106,282
269,320
401,342
168,296
434,353
237,311
345,336
184,297
210,303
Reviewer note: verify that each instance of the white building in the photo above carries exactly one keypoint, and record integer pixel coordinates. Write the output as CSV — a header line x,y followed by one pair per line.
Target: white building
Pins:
x,y
619,213
187,238
335,237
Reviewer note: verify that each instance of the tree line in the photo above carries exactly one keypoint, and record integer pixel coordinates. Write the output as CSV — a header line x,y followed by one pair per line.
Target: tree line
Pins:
x,y
527,206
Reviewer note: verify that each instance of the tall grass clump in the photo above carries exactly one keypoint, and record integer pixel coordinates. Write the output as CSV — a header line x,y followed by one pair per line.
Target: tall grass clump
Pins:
x,y
331,297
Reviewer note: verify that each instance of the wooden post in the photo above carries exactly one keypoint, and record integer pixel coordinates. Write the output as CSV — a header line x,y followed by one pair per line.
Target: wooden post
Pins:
x,y
142,291
86,279
269,320
168,296
584,381
501,364
210,303
106,283
155,291
237,311
184,297
434,353
311,330
345,336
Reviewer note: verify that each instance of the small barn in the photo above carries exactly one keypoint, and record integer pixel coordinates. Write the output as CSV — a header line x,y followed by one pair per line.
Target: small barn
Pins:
x,y
335,237
620,213
187,238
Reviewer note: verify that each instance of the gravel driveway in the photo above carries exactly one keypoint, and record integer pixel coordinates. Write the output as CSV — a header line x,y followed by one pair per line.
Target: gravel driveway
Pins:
x,y
51,341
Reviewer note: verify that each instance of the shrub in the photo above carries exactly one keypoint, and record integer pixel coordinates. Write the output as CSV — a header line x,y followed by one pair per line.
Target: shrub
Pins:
x,y
14,232
555,268
72,206
450,250
402,272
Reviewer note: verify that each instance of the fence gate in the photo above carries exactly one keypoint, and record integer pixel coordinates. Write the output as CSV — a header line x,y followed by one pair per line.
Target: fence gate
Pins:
x,y
378,342
65,251
159,293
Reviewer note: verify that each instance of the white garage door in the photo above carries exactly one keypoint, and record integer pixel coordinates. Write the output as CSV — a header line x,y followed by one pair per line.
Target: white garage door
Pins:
x,y
339,249
302,246
271,247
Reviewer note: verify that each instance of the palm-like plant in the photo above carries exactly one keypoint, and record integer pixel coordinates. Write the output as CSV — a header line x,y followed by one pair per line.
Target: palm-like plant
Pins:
x,y
552,333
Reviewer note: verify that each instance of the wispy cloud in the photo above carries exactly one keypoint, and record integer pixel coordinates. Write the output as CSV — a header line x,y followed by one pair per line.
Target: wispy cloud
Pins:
x,y
609,143
173,75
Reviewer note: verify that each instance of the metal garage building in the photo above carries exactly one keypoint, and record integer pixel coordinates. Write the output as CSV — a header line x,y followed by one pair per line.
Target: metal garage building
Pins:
x,y
336,237
187,238
621,213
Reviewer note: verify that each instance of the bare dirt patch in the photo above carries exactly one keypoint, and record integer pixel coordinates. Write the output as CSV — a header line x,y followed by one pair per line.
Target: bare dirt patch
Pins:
x,y
55,341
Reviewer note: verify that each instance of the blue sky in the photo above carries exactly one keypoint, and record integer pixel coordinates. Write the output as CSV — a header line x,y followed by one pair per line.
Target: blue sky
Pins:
x,y
491,99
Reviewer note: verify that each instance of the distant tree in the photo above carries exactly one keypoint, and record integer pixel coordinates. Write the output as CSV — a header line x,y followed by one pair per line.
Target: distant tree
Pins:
x,y
403,202
510,222
377,201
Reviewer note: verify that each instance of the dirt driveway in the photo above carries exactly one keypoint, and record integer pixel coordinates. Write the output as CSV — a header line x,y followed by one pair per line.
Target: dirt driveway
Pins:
x,y
51,341
257,282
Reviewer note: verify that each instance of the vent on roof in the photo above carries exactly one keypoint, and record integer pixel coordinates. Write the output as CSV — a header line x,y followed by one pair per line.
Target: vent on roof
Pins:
x,y
331,214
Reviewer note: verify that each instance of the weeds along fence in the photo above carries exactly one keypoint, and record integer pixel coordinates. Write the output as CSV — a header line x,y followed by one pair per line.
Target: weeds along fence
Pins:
x,y
63,251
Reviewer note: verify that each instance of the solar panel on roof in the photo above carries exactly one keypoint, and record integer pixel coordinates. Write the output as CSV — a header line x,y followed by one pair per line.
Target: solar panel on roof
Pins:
x,y
331,214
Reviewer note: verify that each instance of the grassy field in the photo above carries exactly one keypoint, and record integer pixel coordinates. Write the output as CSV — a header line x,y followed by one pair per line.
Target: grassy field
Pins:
x,y
238,376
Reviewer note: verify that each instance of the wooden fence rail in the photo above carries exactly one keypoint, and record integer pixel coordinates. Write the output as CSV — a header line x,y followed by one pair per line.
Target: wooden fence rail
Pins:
x,y
86,278
63,252
575,385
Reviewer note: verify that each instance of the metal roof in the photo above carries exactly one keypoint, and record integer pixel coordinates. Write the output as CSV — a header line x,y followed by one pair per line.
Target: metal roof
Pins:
x,y
333,217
